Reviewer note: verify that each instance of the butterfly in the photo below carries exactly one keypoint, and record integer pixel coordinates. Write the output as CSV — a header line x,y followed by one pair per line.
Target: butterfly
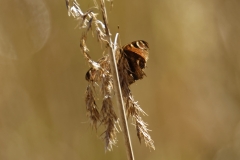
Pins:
x,y
136,54
131,61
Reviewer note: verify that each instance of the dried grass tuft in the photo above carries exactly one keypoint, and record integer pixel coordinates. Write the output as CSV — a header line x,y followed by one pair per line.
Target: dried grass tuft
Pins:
x,y
130,68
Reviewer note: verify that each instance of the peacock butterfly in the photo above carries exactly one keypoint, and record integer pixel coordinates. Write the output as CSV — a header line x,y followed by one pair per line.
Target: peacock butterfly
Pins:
x,y
136,54
133,58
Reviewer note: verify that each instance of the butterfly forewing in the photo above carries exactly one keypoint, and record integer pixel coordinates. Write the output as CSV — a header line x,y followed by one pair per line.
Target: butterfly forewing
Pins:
x,y
140,49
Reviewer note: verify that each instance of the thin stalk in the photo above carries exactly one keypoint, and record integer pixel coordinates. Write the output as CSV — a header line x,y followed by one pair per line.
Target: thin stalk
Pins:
x,y
116,83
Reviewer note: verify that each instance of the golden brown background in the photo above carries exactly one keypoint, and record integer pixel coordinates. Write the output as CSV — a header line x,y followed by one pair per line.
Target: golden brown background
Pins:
x,y
191,92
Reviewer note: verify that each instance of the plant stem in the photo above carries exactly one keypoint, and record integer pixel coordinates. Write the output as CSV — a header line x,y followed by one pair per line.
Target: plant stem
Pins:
x,y
116,83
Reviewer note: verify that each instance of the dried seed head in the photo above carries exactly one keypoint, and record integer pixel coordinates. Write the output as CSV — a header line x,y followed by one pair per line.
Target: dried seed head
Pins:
x,y
131,62
91,107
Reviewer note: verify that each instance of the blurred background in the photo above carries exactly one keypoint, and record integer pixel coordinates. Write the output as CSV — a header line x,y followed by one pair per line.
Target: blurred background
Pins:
x,y
191,92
